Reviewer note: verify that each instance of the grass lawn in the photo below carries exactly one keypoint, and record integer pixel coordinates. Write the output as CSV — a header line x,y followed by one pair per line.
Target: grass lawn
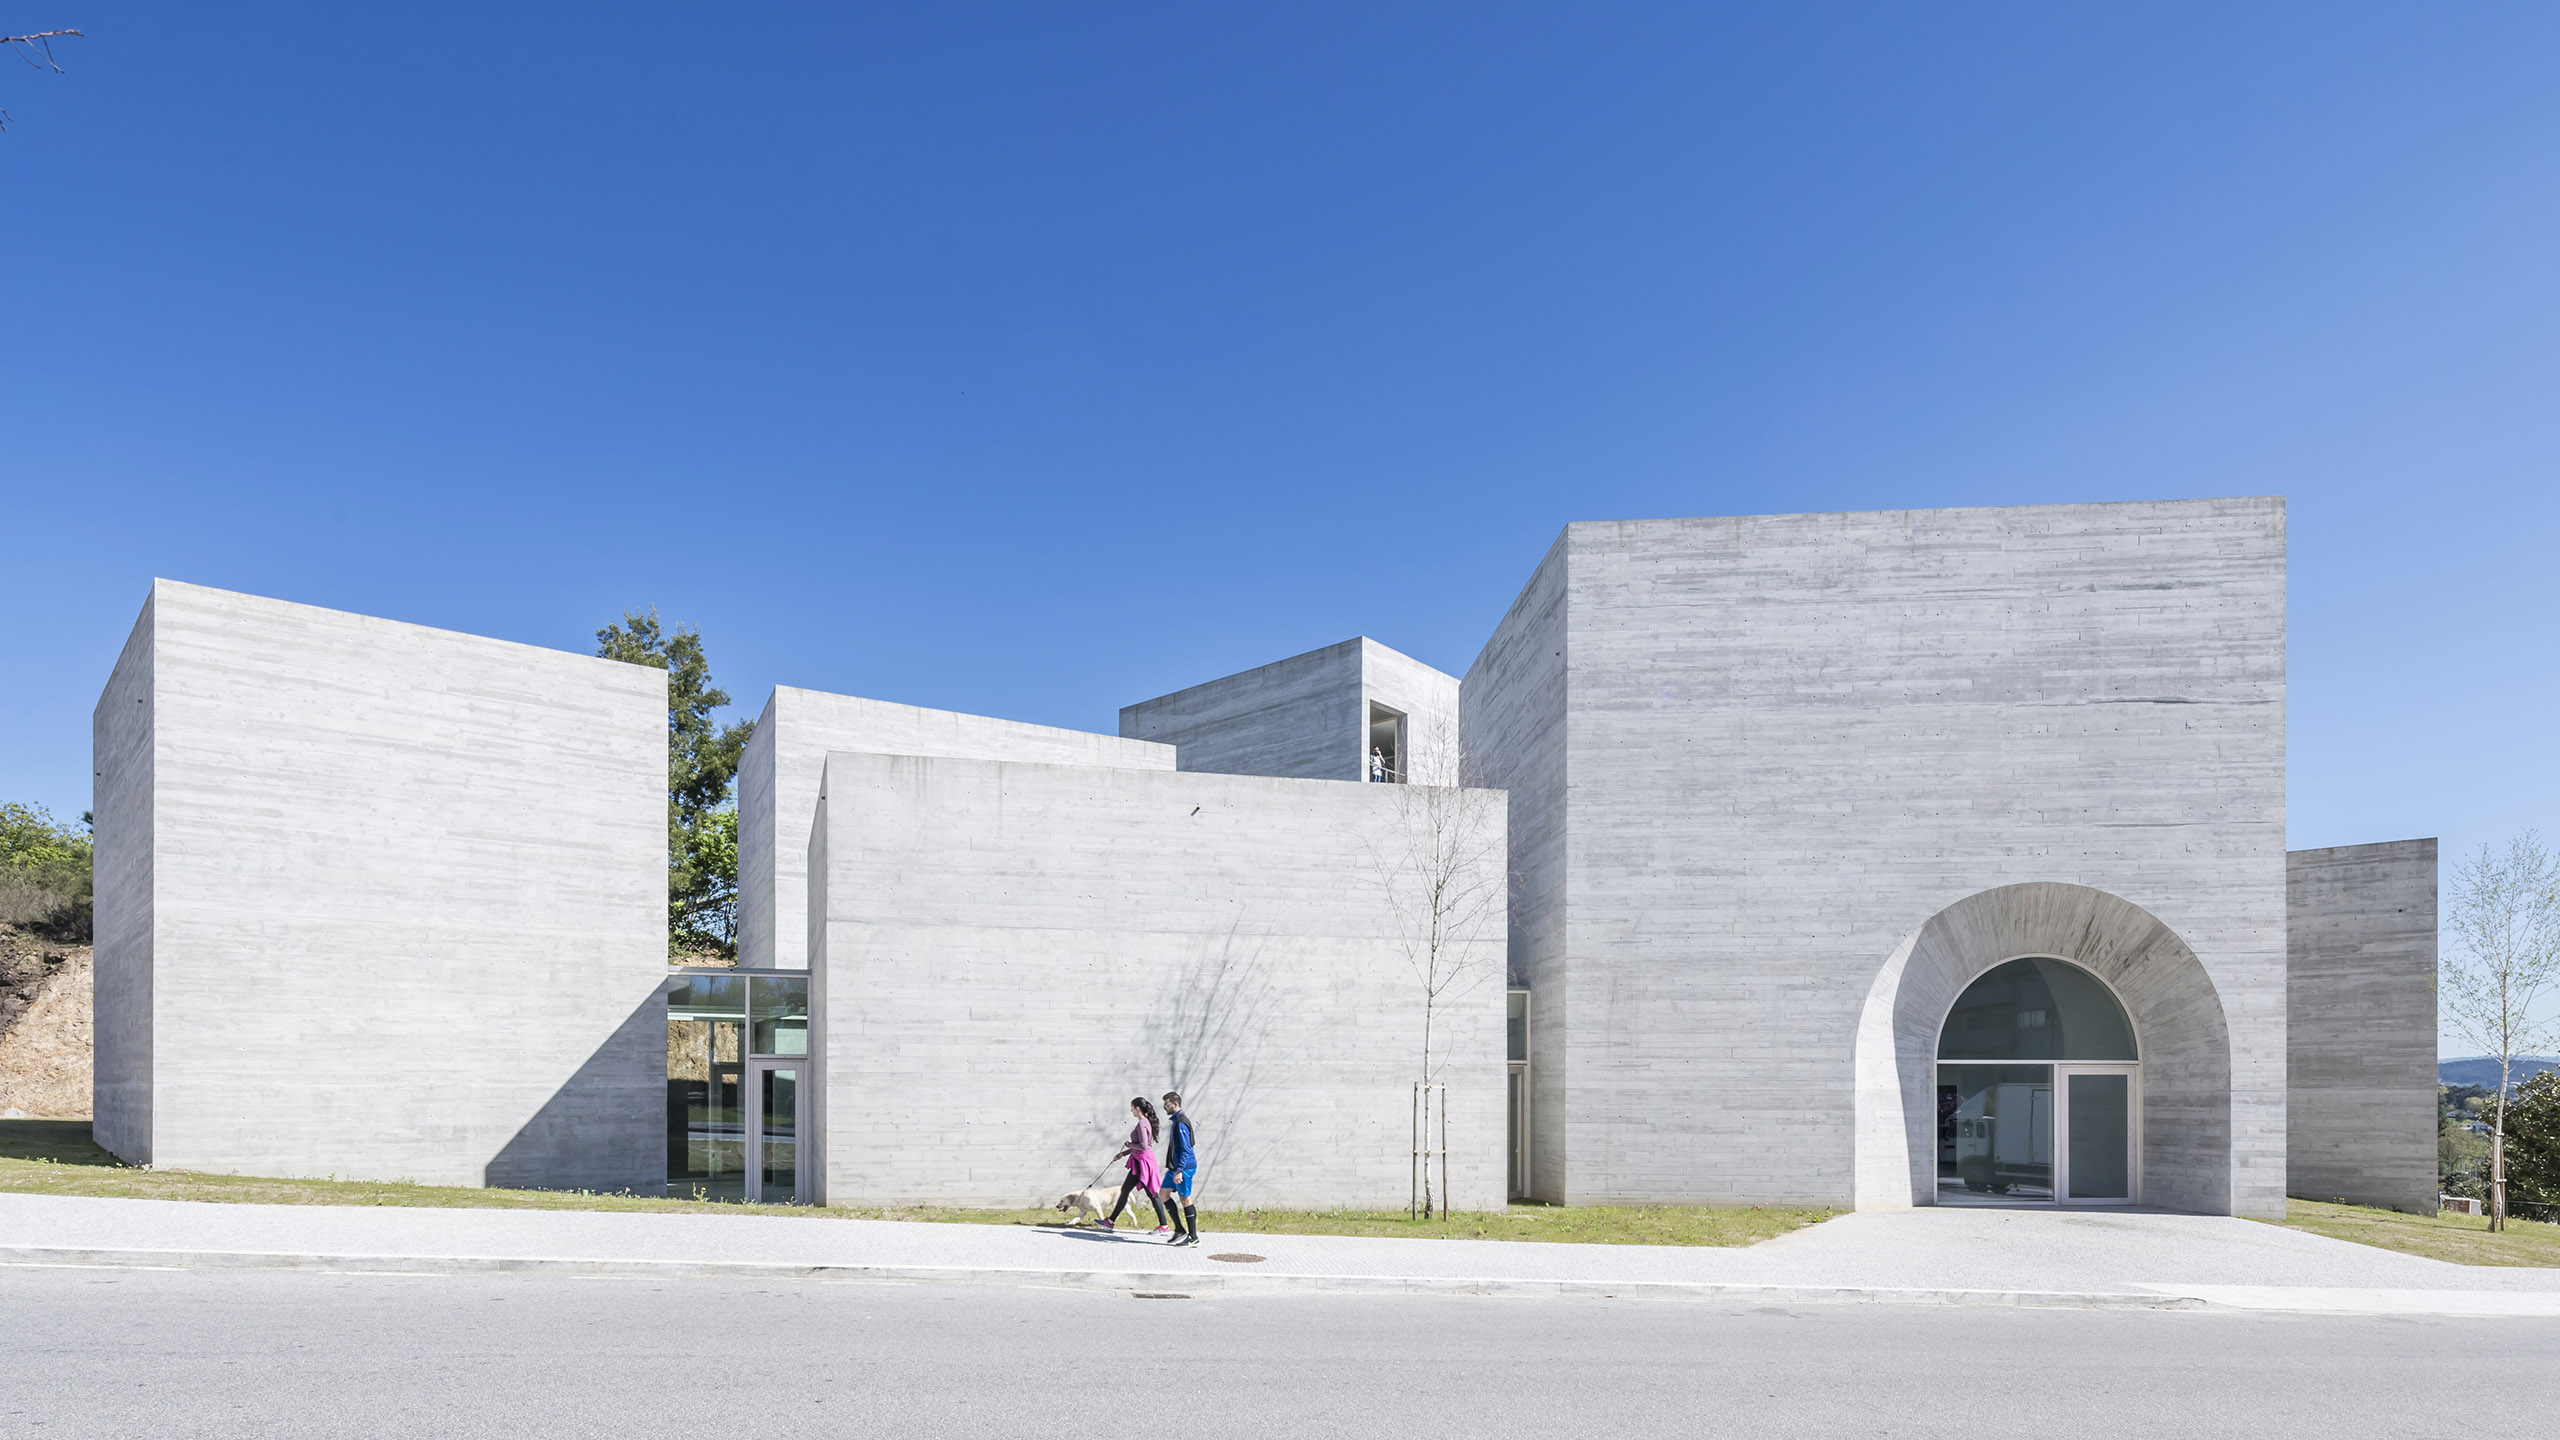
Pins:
x,y
57,1157
2462,1239
1578,1224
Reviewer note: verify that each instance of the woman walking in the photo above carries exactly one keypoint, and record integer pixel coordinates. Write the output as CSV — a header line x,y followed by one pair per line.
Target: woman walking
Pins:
x,y
1145,1170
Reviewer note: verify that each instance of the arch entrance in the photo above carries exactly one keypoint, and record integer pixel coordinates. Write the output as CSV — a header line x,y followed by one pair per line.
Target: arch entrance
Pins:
x,y
2115,963
2039,1083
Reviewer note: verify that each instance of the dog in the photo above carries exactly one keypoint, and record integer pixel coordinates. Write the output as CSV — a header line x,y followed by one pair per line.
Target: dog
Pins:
x,y
1088,1205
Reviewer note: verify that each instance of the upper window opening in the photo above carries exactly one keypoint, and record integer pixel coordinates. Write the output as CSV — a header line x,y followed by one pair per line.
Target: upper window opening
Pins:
x,y
1385,762
2037,1009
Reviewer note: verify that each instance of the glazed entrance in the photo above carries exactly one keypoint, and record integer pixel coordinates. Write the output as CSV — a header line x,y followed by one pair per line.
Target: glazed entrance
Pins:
x,y
2066,1129
737,1063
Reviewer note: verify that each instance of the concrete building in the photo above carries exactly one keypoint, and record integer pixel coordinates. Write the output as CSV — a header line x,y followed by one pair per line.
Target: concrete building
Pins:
x,y
779,776
2360,1035
1352,711
1824,771
377,901
1005,946
1930,857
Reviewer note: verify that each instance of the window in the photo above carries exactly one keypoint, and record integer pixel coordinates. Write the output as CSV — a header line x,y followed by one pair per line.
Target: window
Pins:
x,y
2037,1009
2064,1129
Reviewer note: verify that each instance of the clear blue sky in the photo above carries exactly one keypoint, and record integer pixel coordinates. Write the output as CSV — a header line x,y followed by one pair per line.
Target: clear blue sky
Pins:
x,y
1033,360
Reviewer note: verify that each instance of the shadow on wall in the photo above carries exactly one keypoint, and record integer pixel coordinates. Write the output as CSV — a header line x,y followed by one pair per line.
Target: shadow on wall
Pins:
x,y
1205,1036
1213,1041
606,1128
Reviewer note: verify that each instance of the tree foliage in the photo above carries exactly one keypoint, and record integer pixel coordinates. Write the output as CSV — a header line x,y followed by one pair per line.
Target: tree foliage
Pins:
x,y
44,869
2533,1139
2505,923
702,765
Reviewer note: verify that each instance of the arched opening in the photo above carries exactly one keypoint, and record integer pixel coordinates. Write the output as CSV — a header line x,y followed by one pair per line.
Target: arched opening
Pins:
x,y
2179,1101
2039,1077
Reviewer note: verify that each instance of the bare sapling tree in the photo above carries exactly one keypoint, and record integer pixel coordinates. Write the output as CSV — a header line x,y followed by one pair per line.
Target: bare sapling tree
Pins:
x,y
35,48
1444,869
2505,920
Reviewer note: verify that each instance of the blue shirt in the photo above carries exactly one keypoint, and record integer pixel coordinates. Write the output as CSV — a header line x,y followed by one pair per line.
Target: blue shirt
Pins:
x,y
1178,1154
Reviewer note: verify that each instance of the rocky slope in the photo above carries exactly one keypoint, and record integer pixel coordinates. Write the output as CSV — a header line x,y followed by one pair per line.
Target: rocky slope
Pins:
x,y
45,1027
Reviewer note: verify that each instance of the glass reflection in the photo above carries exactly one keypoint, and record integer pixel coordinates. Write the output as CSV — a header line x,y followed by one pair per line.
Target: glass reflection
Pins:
x,y
1995,1131
707,997
780,1017
706,1087
2036,1010
706,1123
778,1165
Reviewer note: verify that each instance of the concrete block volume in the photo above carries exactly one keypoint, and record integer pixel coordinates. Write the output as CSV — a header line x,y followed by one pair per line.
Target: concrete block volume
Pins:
x,y
1751,759
2361,1038
1004,954
377,901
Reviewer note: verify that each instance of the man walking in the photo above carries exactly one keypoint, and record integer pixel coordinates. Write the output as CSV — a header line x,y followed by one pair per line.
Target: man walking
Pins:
x,y
1181,1161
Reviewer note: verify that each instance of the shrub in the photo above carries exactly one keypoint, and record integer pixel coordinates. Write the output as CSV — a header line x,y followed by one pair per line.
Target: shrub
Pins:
x,y
44,870
2533,1139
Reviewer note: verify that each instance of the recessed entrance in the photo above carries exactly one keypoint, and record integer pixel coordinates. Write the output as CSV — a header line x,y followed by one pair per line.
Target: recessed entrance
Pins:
x,y
1516,1024
1385,761
737,1065
2038,1090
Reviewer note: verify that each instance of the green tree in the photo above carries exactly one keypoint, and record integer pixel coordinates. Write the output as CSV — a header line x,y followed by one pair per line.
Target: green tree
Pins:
x,y
2533,1139
2462,1159
702,764
2504,920
45,869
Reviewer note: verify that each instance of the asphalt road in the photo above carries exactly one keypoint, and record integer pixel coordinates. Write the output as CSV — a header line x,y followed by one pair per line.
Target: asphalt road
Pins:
x,y
210,1353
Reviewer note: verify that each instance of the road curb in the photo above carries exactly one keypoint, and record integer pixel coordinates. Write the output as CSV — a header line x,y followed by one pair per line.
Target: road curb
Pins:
x,y
1183,1282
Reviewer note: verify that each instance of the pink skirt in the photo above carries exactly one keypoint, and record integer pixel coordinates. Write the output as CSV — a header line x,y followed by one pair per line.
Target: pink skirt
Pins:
x,y
1148,1169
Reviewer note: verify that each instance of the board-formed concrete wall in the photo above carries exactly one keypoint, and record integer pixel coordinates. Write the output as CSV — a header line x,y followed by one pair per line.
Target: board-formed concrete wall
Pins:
x,y
1428,699
379,901
1514,732
2360,1029
1307,717
2183,1037
1003,954
1792,741
121,731
778,790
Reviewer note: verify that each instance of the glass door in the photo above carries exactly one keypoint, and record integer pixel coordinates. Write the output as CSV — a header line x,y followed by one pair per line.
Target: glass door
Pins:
x,y
2100,1125
737,1065
773,1129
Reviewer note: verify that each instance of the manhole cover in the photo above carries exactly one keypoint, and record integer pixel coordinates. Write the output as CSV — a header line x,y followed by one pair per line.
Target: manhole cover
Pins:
x,y
1238,1258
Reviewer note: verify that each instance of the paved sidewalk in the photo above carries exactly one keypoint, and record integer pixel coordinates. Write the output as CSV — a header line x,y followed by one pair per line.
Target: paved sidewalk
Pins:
x,y
1958,1256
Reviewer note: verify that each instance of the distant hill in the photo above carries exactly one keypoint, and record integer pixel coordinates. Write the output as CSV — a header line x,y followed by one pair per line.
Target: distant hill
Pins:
x,y
2484,1073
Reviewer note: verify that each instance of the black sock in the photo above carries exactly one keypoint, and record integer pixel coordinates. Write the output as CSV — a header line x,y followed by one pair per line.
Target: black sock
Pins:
x,y
1191,1220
